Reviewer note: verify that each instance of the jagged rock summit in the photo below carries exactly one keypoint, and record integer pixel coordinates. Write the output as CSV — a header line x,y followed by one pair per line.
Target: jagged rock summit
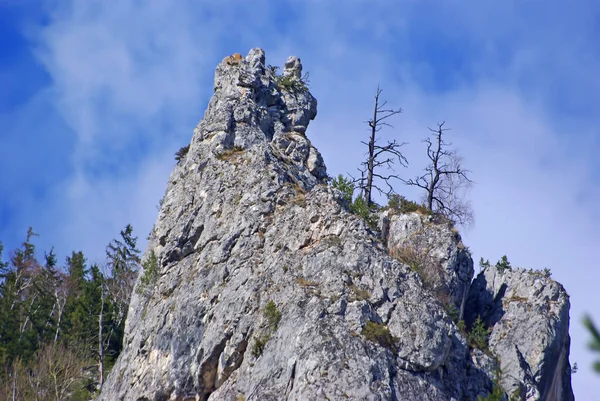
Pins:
x,y
269,289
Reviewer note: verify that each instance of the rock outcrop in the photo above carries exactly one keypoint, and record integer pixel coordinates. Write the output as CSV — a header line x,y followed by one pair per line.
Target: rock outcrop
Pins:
x,y
444,263
269,289
529,313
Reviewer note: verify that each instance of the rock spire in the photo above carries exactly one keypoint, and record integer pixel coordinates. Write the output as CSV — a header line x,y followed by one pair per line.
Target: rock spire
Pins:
x,y
269,289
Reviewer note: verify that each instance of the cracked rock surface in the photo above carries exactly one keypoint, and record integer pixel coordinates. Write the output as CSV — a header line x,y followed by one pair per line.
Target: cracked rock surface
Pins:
x,y
529,313
443,258
268,288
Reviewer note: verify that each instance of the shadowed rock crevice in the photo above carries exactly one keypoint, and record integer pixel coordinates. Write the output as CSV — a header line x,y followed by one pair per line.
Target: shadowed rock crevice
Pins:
x,y
290,385
208,371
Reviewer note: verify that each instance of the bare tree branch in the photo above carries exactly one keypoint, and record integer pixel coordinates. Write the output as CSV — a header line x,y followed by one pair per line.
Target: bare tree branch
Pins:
x,y
444,181
376,154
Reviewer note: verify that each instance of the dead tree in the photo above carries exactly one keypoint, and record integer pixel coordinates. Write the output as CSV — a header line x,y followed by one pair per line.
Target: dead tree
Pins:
x,y
379,155
444,180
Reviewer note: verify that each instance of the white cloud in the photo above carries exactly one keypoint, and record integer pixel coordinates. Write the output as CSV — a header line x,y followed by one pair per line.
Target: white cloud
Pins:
x,y
99,209
130,83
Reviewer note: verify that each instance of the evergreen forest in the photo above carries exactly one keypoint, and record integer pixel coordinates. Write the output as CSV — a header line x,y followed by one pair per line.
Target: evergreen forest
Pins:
x,y
62,322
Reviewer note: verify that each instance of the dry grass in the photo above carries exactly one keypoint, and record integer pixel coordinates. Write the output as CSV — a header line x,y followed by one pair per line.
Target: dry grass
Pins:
x,y
513,298
234,59
431,274
380,334
302,282
230,154
360,295
331,240
410,256
299,195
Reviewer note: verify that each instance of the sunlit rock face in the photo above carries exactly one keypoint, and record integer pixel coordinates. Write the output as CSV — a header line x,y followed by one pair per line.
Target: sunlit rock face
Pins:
x,y
529,313
445,263
268,288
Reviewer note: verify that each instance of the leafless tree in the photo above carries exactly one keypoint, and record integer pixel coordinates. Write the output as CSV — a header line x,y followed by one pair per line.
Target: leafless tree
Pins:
x,y
56,371
444,180
103,341
16,387
379,155
53,374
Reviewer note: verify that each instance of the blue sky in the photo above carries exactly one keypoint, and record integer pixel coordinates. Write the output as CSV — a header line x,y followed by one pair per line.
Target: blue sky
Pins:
x,y
96,98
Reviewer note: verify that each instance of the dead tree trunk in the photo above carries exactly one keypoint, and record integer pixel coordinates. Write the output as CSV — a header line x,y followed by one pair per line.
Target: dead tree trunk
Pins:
x,y
443,180
100,341
378,155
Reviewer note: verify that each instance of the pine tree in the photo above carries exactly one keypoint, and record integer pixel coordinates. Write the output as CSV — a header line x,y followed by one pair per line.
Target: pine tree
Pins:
x,y
48,299
115,289
123,262
18,302
51,314
77,321
594,344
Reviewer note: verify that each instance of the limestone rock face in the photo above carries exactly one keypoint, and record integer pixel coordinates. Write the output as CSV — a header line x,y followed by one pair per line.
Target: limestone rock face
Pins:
x,y
268,288
443,261
529,313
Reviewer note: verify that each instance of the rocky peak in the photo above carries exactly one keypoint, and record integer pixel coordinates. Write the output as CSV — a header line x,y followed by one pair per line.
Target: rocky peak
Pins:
x,y
251,111
269,289
293,67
